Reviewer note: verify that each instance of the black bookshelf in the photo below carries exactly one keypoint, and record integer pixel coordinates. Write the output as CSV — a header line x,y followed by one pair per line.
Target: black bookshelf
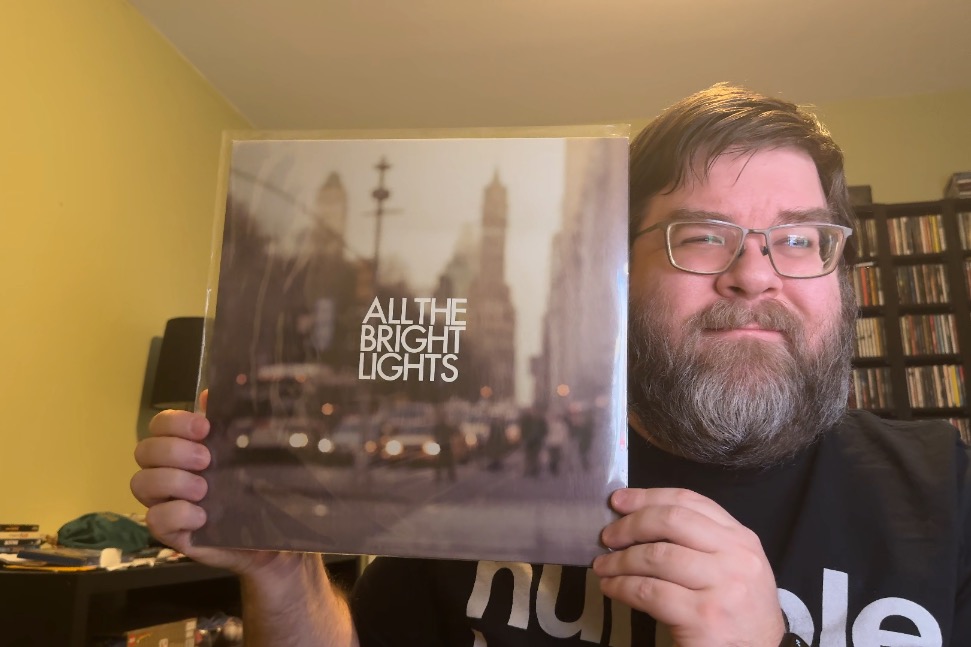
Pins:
x,y
913,284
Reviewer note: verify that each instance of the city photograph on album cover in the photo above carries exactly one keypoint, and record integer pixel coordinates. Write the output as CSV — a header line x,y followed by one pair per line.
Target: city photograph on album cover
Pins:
x,y
417,346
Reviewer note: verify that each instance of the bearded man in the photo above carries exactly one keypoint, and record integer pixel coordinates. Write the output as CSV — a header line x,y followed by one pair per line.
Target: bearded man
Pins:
x,y
730,366
761,512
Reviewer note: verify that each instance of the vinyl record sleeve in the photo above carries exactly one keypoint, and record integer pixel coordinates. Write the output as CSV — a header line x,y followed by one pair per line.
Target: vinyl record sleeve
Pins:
x,y
416,343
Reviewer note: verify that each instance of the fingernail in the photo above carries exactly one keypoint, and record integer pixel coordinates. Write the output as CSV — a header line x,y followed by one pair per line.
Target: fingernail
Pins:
x,y
199,426
619,497
201,487
200,455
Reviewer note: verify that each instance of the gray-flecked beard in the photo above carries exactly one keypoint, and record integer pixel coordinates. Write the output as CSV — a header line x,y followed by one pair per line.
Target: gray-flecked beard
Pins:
x,y
738,402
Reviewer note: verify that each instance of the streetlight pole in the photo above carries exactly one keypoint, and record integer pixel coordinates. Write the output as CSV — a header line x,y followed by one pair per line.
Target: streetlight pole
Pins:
x,y
380,194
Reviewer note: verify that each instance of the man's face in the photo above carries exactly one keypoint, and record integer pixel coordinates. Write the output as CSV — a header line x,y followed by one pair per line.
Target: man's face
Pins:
x,y
766,188
745,349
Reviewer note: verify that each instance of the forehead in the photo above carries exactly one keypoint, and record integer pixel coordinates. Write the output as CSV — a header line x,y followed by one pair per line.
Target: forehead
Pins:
x,y
756,189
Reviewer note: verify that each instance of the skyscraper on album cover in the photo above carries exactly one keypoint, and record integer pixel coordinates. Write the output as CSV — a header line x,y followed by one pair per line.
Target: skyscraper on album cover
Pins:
x,y
417,345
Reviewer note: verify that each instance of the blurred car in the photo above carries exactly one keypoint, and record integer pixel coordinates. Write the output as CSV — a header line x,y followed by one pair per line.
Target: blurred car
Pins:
x,y
477,424
278,436
415,449
408,437
423,450
348,441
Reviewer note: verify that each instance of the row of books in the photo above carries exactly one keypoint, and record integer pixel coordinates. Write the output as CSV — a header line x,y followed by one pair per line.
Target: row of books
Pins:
x,y
911,235
866,238
867,285
935,387
964,229
929,334
870,337
916,284
919,335
916,235
964,426
872,389
919,284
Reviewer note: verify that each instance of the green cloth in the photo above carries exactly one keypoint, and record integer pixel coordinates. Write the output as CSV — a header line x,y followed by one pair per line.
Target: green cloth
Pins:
x,y
104,530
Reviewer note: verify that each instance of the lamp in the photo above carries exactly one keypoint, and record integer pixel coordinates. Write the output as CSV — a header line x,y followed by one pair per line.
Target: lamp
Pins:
x,y
177,372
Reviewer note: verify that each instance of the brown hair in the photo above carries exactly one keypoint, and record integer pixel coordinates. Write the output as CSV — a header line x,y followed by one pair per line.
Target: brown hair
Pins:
x,y
690,135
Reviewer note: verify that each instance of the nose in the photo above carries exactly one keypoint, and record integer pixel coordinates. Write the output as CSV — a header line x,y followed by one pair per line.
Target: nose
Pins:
x,y
751,276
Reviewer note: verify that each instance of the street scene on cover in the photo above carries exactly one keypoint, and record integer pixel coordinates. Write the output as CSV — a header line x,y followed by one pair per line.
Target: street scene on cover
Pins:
x,y
418,347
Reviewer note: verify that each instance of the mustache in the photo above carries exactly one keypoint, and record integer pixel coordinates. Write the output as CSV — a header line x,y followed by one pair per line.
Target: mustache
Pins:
x,y
729,314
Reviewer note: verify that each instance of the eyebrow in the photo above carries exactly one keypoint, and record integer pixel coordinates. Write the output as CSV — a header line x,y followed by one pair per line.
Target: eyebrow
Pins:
x,y
788,216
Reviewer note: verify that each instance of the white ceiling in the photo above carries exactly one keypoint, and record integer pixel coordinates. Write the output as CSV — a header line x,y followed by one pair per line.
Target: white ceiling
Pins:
x,y
434,63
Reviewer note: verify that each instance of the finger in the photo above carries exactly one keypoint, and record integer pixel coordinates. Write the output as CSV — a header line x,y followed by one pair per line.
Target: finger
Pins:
x,y
173,522
158,485
627,500
733,614
661,560
679,525
172,452
182,424
203,400
665,601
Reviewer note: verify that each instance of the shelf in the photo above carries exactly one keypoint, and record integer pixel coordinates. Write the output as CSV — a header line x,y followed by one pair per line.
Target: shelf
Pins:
x,y
950,268
917,259
932,360
935,413
925,308
883,413
870,362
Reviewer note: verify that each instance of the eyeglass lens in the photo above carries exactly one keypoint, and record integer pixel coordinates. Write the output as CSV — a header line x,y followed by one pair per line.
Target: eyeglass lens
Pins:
x,y
795,250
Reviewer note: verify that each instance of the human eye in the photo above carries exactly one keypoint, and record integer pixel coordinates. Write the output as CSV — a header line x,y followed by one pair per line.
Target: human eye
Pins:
x,y
704,239
796,241
696,235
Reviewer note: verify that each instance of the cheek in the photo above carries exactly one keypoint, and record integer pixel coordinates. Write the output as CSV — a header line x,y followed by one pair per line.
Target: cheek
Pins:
x,y
819,307
677,295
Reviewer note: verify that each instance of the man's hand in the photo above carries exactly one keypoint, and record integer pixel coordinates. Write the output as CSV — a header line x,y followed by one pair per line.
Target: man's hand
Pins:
x,y
681,558
168,484
287,597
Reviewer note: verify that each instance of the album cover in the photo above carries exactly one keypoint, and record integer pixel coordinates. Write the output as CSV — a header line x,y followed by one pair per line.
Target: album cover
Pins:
x,y
416,344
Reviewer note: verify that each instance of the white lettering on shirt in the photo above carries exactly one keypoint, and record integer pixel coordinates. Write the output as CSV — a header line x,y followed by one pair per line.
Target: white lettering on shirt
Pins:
x,y
866,629
482,590
590,623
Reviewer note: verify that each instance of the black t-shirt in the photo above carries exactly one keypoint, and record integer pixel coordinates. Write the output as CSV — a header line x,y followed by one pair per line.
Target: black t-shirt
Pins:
x,y
868,533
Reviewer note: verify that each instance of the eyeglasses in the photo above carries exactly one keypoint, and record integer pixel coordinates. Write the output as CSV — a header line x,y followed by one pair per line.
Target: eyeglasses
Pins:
x,y
796,251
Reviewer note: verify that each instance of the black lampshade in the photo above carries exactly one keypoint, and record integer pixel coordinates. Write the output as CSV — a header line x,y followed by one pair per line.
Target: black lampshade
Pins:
x,y
177,373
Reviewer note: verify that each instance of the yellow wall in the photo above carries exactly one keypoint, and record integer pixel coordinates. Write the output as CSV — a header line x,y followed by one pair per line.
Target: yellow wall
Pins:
x,y
109,146
905,148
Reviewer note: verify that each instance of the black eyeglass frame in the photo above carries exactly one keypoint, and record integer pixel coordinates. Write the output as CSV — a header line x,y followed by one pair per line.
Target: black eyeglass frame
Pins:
x,y
845,232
